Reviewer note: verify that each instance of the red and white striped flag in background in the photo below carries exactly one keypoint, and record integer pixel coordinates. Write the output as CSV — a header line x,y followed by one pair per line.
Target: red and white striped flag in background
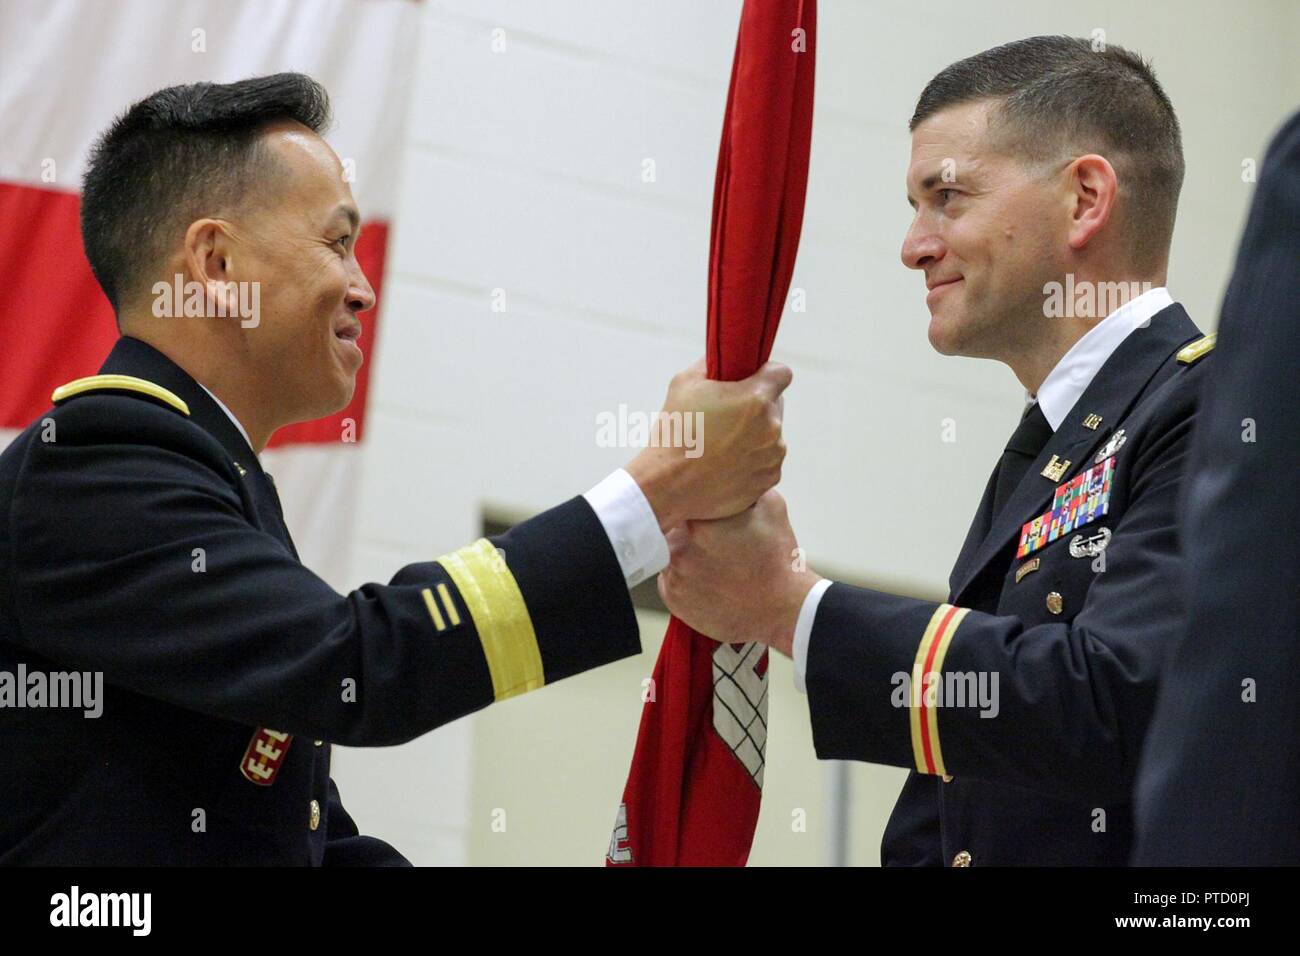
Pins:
x,y
67,69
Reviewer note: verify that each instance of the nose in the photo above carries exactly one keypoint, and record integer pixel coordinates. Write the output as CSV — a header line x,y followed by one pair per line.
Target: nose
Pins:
x,y
922,246
361,295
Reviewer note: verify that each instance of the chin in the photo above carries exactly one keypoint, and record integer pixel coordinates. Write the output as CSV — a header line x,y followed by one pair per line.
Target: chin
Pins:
x,y
944,336
343,393
331,396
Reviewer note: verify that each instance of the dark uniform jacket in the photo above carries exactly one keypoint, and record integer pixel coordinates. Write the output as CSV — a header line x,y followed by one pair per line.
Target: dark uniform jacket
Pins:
x,y
1220,779
140,538
1065,648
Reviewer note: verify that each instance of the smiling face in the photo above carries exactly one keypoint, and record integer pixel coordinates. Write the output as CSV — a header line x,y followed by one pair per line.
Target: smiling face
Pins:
x,y
300,245
988,232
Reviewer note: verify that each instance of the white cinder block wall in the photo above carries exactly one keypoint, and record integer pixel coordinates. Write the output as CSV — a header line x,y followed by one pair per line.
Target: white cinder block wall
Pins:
x,y
537,279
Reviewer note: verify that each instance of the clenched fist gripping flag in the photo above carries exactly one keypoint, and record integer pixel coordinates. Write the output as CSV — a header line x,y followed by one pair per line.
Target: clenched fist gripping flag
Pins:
x,y
693,793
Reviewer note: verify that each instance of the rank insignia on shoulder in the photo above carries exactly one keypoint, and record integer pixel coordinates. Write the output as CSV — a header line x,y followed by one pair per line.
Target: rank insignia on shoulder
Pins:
x,y
1084,498
1113,444
265,756
1190,354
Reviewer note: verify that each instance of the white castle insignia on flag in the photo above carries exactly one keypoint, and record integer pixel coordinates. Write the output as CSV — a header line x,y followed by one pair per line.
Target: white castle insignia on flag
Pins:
x,y
619,851
740,704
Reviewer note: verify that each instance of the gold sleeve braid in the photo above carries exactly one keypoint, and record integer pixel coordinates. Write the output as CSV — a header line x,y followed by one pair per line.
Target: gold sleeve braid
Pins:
x,y
500,617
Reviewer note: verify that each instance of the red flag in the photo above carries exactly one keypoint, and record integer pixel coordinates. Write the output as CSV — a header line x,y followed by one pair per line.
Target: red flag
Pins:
x,y
692,795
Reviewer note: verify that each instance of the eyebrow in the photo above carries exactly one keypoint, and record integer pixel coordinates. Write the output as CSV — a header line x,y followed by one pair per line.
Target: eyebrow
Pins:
x,y
354,217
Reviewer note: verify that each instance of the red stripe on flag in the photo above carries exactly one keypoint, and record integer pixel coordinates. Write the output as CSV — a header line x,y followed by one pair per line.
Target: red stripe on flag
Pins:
x,y
57,325
55,322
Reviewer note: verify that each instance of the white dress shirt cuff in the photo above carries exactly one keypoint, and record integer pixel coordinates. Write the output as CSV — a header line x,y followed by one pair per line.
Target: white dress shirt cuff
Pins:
x,y
803,633
631,525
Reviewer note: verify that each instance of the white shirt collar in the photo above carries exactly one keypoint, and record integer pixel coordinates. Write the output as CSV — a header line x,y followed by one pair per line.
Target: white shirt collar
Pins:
x,y
1066,383
222,405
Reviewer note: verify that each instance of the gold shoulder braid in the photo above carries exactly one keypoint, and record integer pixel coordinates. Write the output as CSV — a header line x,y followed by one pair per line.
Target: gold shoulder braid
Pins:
x,y
119,383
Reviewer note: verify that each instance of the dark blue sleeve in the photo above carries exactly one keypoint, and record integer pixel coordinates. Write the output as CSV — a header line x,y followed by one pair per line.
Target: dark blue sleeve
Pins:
x,y
132,555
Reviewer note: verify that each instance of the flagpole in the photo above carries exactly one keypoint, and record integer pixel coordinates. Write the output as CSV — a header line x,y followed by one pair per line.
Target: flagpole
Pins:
x,y
837,805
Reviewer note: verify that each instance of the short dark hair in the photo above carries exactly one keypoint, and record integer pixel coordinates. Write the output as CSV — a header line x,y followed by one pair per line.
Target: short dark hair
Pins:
x,y
1059,91
176,156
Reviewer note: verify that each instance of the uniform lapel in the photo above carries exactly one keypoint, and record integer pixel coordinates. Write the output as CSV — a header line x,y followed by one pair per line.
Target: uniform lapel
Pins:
x,y
279,512
975,535
134,357
1111,394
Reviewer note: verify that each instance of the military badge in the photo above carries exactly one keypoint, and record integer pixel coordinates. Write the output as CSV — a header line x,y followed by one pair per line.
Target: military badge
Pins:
x,y
264,756
1055,468
1029,567
1113,444
1084,498
1090,546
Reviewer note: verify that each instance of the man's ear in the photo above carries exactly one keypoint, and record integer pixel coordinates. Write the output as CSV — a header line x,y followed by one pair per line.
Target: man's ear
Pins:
x,y
209,251
1094,191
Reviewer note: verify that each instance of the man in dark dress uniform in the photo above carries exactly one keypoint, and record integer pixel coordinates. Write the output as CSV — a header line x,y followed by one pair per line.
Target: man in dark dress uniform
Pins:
x,y
143,547
1219,783
1045,176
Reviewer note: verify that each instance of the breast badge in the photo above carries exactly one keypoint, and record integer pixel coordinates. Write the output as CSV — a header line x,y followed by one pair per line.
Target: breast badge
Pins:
x,y
1082,499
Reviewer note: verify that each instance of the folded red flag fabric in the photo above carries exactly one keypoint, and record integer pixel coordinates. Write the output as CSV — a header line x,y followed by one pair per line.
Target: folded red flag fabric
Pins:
x,y
692,795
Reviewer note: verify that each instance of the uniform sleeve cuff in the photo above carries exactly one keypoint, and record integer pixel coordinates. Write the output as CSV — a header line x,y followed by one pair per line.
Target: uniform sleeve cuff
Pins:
x,y
631,525
803,633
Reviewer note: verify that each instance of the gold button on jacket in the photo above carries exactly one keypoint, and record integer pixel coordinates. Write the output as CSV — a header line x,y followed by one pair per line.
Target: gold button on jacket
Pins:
x,y
961,859
315,814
